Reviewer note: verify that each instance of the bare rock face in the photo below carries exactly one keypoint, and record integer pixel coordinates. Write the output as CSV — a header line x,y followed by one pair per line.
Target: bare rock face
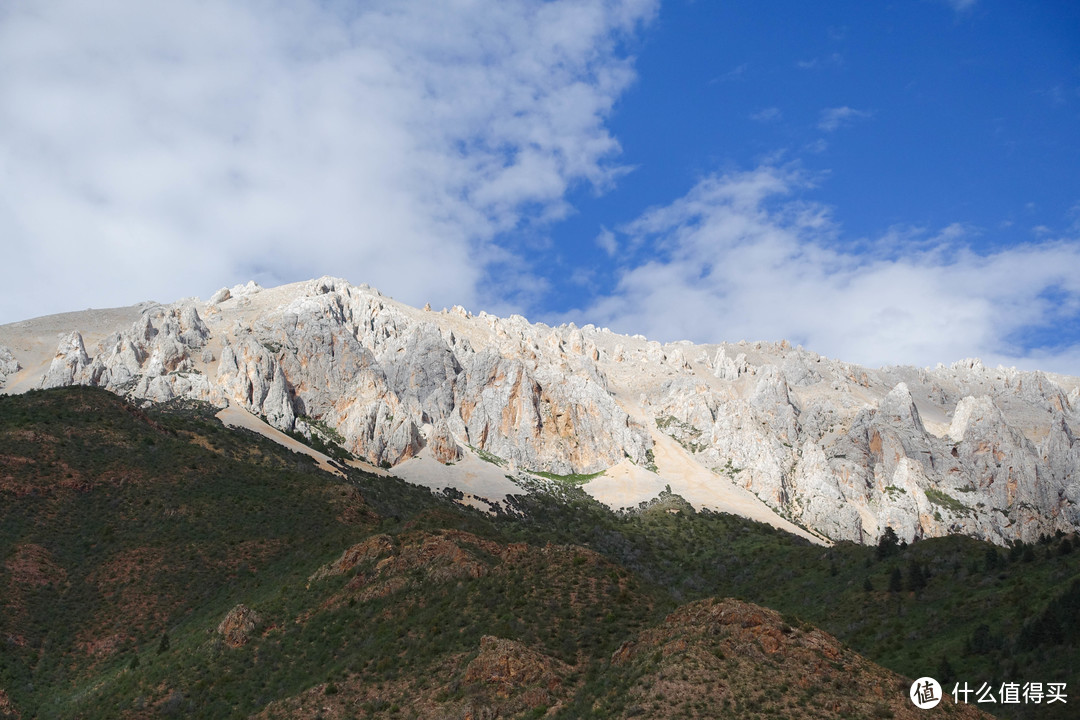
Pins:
x,y
220,296
71,359
377,374
444,447
970,410
848,451
249,375
8,365
152,359
843,450
821,498
239,624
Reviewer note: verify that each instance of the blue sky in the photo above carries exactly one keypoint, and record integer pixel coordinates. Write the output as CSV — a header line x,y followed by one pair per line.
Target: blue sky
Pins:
x,y
938,116
880,182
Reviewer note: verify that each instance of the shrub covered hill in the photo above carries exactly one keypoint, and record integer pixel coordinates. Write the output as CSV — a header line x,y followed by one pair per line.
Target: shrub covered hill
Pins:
x,y
155,563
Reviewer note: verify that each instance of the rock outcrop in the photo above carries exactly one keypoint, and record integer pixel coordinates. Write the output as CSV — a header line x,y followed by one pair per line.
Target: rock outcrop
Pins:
x,y
8,365
444,447
725,653
847,451
238,625
8,711
840,449
70,360
508,665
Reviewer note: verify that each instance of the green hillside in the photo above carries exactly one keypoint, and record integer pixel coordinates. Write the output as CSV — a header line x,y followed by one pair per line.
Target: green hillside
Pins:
x,y
127,536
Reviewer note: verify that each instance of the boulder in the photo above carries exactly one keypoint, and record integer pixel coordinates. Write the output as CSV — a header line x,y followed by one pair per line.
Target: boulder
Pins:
x,y
238,626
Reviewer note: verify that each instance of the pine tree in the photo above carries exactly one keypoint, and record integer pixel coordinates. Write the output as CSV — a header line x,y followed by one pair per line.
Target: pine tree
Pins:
x,y
916,578
896,581
945,672
888,544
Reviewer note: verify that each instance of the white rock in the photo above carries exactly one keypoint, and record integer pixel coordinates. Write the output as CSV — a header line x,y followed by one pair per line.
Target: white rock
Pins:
x,y
70,360
842,449
220,296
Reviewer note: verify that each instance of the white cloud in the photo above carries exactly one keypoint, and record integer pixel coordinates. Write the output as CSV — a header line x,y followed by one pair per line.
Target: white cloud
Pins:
x,y
736,258
1073,215
833,60
736,73
833,118
768,114
160,149
607,242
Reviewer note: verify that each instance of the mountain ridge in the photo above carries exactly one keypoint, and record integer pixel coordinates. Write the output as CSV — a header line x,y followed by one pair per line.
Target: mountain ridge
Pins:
x,y
819,447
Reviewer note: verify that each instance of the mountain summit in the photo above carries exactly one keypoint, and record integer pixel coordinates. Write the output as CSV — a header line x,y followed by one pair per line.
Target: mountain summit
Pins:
x,y
495,406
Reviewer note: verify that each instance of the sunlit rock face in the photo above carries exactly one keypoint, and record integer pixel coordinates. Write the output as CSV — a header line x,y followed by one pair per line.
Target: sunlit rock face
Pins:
x,y
840,449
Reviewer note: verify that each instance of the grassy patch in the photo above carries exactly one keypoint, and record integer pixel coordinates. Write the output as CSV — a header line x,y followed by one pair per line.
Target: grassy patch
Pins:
x,y
489,457
683,433
322,438
650,461
946,501
572,479
729,469
328,432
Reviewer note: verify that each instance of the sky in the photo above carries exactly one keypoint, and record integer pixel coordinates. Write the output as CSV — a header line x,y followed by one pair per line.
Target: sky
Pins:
x,y
883,183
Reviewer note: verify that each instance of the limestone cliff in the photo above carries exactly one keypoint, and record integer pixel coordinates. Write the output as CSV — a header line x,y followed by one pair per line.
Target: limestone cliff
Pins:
x,y
8,365
840,449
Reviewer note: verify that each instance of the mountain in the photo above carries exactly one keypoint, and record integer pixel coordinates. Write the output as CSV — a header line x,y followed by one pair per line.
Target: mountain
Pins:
x,y
495,406
155,563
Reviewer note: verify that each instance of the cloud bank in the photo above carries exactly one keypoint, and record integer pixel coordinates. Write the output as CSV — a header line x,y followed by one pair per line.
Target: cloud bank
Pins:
x,y
155,150
739,258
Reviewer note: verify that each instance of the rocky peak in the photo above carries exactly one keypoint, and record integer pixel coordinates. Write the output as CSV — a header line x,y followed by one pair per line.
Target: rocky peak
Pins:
x,y
971,410
898,407
70,360
841,449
